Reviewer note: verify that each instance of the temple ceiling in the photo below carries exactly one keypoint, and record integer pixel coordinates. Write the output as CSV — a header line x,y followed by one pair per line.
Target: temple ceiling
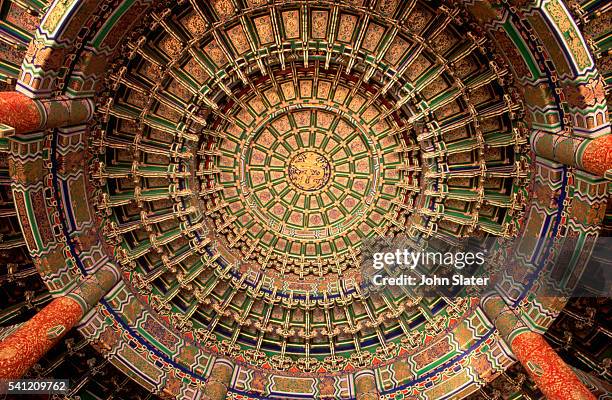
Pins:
x,y
235,159
303,154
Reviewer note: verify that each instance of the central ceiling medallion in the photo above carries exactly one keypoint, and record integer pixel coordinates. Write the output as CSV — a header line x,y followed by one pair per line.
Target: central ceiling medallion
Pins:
x,y
309,171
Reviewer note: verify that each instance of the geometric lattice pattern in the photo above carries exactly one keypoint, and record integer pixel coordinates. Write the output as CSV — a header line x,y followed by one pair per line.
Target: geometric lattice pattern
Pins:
x,y
243,151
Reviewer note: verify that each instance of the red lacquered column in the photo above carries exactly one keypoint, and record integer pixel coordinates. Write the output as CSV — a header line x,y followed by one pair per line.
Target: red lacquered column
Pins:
x,y
597,155
555,379
20,112
24,347
34,338
25,114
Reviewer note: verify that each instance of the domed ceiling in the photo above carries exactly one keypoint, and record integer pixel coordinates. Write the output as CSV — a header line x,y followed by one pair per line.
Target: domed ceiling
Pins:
x,y
243,155
222,150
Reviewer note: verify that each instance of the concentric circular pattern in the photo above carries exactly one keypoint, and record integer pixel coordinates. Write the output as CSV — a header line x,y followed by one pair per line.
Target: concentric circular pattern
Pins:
x,y
312,182
243,164
237,214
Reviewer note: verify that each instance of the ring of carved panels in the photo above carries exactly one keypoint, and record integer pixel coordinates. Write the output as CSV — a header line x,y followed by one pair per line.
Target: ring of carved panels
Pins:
x,y
197,278
213,134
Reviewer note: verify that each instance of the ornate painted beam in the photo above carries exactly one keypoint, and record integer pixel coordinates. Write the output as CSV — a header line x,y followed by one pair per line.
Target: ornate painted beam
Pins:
x,y
25,346
219,380
365,385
